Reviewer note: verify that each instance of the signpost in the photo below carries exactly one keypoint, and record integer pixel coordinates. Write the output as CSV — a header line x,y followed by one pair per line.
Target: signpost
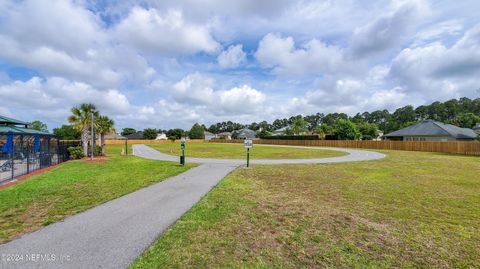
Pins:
x,y
182,145
126,146
248,144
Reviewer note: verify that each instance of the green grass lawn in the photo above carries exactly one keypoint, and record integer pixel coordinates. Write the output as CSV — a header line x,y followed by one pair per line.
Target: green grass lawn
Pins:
x,y
74,187
409,210
237,151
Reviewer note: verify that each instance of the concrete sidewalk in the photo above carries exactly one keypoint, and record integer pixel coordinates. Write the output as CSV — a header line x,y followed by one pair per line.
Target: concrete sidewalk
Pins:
x,y
114,234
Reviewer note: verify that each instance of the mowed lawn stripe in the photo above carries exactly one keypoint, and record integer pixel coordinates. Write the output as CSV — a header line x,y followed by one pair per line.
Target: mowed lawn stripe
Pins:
x,y
408,210
237,151
74,187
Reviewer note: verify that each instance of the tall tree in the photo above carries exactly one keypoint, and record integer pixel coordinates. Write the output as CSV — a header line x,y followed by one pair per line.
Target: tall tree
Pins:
x,y
39,126
67,132
149,133
128,131
346,130
196,132
104,126
81,120
299,125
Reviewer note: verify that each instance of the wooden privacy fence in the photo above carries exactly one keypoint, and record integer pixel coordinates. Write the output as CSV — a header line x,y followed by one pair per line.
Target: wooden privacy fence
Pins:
x,y
456,147
146,141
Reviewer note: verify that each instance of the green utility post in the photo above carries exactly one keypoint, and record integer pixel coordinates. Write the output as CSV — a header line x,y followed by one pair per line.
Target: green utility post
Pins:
x,y
248,157
182,145
126,147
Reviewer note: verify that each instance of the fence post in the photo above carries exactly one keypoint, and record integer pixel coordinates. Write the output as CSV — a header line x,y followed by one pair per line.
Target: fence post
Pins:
x,y
12,153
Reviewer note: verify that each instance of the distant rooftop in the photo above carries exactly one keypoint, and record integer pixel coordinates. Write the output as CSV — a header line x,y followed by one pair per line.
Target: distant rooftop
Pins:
x,y
434,128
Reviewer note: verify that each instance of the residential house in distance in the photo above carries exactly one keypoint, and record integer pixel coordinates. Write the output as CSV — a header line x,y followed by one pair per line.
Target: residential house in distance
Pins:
x,y
137,135
225,135
246,134
209,135
430,130
161,136
476,129
114,136
281,131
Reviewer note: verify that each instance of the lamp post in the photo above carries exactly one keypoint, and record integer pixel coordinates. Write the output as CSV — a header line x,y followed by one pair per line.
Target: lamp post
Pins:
x,y
92,138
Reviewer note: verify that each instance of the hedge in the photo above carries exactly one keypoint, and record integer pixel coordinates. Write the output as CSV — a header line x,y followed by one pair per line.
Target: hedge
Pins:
x,y
292,137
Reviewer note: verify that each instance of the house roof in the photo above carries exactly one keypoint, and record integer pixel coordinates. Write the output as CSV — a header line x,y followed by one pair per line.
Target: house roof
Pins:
x,y
434,128
281,130
225,133
10,121
207,133
114,137
246,133
137,135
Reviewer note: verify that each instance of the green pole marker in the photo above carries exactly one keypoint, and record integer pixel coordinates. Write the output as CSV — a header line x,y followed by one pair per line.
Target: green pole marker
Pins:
x,y
248,144
126,147
182,145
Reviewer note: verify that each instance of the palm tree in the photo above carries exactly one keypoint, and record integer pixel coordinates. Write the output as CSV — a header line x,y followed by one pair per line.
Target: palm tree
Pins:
x,y
298,126
104,126
81,120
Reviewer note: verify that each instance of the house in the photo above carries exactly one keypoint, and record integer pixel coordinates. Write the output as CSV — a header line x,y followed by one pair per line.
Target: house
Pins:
x,y
161,136
137,135
114,136
430,130
225,135
281,131
476,129
209,135
245,134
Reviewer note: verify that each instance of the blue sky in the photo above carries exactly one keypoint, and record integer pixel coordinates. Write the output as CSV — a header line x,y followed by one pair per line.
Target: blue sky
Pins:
x,y
166,64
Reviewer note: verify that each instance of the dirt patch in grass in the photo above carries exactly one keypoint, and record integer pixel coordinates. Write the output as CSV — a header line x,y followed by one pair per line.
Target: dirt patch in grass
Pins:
x,y
410,210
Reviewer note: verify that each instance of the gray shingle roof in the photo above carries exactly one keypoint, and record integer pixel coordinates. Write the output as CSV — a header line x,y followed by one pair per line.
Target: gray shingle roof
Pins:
x,y
434,128
246,133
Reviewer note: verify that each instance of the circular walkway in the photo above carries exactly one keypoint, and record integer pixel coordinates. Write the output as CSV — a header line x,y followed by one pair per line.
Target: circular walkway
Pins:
x,y
354,155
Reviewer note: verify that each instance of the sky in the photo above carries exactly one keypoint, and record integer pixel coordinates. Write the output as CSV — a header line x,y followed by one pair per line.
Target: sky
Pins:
x,y
171,63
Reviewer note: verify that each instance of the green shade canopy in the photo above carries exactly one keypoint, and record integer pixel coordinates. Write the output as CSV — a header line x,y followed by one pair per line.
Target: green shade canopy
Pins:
x,y
9,121
21,130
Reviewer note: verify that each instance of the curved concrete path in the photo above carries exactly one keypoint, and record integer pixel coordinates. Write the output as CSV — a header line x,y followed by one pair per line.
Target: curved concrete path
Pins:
x,y
114,234
354,155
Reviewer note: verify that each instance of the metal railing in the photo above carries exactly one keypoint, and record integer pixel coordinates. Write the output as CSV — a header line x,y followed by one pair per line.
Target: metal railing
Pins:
x,y
30,153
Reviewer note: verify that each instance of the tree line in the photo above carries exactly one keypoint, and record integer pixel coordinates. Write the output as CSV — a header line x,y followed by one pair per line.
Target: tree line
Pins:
x,y
463,112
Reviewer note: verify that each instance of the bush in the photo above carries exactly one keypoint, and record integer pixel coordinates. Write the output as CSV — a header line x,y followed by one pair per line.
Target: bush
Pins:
x,y
75,152
172,138
292,137
97,151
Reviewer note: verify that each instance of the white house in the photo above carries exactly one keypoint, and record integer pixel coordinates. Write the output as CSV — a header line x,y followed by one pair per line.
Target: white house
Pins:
x,y
209,135
161,136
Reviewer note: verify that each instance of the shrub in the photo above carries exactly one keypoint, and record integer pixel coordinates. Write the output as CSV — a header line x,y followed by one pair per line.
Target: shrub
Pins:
x,y
75,152
97,151
172,137
292,137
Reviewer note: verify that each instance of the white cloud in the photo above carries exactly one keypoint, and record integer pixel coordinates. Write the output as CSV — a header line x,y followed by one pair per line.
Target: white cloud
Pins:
x,y
232,57
149,30
54,97
194,89
435,71
197,90
313,57
244,99
388,30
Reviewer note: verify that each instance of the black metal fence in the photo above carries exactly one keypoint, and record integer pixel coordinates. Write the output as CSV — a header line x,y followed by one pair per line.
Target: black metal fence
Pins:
x,y
29,153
